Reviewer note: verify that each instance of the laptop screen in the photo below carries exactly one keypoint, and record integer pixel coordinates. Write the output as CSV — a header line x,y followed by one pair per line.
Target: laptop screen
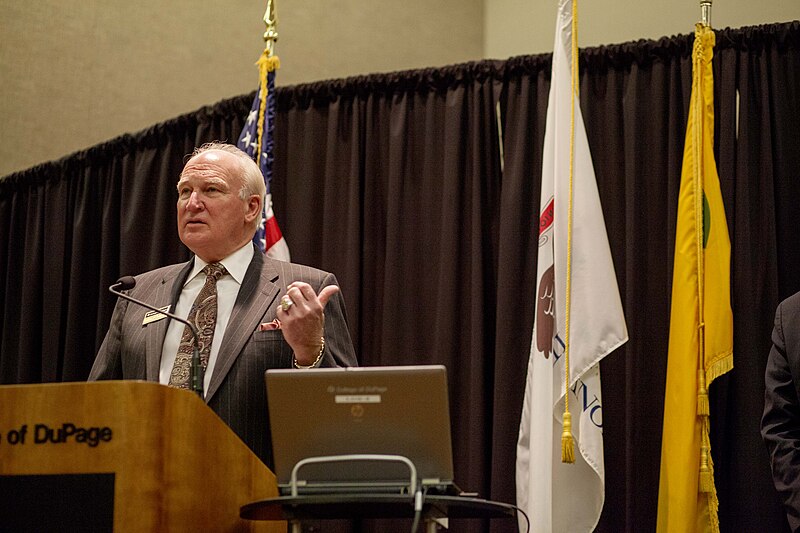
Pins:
x,y
399,410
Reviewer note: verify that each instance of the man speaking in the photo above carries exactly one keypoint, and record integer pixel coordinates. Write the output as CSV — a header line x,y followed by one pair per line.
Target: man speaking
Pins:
x,y
251,312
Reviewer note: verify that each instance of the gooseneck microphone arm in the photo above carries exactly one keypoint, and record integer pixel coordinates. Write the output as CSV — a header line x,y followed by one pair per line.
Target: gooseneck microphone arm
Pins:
x,y
126,283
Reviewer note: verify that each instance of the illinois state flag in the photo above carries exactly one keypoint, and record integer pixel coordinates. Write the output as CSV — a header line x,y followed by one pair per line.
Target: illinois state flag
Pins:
x,y
559,496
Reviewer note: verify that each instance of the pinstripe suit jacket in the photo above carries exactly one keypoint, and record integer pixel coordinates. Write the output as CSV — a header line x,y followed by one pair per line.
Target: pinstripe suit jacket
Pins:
x,y
237,391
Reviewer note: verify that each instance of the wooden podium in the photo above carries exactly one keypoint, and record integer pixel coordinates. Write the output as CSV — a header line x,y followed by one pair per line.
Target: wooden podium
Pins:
x,y
132,456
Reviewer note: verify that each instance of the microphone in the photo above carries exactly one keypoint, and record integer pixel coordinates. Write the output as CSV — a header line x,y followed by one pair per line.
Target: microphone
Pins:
x,y
126,283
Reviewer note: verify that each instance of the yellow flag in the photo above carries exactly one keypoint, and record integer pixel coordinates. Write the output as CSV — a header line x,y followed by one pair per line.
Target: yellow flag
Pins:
x,y
701,321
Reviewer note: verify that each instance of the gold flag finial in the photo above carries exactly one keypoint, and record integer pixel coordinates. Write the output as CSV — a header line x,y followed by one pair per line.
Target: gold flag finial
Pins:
x,y
271,21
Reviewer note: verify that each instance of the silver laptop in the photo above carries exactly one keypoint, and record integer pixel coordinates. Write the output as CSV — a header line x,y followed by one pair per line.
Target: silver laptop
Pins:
x,y
348,417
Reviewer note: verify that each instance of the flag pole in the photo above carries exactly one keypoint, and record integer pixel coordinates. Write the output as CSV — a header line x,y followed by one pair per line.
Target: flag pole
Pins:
x,y
705,12
268,62
271,34
257,137
706,480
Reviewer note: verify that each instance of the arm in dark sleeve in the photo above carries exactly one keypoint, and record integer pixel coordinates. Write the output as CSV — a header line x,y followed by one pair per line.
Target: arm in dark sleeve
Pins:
x,y
780,423
108,363
339,349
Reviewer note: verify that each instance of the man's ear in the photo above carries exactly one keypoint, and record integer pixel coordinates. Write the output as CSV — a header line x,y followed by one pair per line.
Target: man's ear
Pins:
x,y
253,207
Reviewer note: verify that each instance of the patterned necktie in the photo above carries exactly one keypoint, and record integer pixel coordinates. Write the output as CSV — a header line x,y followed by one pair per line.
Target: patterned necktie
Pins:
x,y
203,315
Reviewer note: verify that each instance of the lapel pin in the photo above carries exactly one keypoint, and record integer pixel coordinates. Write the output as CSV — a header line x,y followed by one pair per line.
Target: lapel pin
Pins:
x,y
154,316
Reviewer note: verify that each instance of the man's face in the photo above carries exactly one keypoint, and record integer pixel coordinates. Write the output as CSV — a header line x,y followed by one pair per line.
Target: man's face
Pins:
x,y
213,221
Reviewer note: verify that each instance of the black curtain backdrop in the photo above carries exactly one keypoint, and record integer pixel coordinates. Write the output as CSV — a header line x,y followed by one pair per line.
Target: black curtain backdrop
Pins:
x,y
394,183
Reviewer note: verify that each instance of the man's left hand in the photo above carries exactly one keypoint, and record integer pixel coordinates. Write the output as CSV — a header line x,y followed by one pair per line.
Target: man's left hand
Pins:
x,y
302,323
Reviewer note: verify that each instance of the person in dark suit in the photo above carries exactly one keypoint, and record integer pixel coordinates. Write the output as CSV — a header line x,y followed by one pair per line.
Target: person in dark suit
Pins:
x,y
266,313
780,424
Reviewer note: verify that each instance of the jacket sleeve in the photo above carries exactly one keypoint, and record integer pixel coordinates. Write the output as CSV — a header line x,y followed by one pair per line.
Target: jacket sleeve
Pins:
x,y
108,362
339,349
780,423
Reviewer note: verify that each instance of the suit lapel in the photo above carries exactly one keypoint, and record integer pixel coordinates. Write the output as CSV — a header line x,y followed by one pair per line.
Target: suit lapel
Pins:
x,y
255,296
166,292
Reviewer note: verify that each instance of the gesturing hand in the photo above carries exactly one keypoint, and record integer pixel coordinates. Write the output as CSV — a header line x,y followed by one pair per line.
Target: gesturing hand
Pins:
x,y
301,312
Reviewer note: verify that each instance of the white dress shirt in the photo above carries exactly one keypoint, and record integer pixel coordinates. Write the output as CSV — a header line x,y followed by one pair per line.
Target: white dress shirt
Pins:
x,y
227,289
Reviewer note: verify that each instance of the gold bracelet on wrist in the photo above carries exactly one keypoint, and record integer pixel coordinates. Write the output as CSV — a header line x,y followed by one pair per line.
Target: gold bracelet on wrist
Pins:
x,y
316,361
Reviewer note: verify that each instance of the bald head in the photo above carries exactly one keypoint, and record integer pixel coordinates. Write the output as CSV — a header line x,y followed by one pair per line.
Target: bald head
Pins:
x,y
252,181
217,211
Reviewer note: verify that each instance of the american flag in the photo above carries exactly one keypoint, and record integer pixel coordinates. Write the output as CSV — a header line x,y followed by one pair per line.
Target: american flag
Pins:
x,y
268,237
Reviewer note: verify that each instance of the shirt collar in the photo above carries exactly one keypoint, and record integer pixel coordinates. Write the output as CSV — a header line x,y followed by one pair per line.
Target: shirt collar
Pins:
x,y
236,264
